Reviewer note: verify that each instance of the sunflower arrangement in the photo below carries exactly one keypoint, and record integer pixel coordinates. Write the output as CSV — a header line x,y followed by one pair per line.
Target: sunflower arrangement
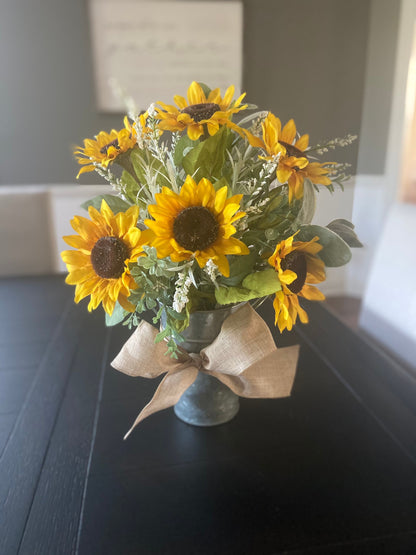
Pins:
x,y
206,212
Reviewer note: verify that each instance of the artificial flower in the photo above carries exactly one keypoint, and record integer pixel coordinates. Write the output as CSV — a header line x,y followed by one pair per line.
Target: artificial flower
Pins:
x,y
293,165
298,268
200,112
105,148
105,244
197,222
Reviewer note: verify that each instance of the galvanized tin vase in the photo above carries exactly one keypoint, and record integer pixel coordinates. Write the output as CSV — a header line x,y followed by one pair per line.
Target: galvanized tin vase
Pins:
x,y
207,402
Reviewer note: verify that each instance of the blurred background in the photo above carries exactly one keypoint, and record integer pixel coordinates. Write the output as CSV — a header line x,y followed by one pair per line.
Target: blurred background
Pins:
x,y
336,67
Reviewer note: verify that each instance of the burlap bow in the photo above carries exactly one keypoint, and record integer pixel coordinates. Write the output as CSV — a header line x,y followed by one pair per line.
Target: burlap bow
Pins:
x,y
243,357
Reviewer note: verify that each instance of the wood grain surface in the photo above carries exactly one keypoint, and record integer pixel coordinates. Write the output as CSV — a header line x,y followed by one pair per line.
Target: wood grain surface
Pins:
x,y
329,470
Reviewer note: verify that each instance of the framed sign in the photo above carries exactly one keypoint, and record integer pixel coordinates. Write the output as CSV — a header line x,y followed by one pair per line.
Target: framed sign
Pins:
x,y
154,50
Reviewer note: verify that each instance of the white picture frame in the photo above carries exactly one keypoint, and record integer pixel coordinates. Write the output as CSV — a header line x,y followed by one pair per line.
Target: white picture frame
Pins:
x,y
151,50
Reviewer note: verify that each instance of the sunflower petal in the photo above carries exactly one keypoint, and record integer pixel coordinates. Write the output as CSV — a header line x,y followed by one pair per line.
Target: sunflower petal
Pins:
x,y
289,132
78,242
312,293
195,131
283,174
195,94
302,143
223,265
220,198
180,101
126,304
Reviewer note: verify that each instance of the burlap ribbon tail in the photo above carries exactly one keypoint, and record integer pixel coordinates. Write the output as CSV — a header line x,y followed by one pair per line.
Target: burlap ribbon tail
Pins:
x,y
243,356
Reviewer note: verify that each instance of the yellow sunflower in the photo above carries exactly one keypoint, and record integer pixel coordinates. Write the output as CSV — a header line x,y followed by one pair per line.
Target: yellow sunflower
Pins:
x,y
196,222
105,246
297,266
199,112
105,148
293,165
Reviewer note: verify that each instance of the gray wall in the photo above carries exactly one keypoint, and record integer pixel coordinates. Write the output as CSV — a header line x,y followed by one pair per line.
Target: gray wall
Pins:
x,y
306,59
378,91
47,92
302,58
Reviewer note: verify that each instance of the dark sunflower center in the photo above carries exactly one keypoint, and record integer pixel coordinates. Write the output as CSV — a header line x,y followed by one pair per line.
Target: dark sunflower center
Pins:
x,y
105,148
195,228
293,150
199,112
108,256
296,262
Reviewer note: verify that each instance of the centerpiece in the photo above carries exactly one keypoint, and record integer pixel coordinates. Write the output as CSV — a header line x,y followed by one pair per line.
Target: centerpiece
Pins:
x,y
209,218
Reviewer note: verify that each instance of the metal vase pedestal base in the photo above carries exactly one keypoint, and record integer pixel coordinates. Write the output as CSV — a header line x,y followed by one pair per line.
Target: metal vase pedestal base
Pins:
x,y
207,402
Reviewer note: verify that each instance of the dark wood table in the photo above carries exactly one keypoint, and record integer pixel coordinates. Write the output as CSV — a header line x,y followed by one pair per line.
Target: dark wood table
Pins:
x,y
329,470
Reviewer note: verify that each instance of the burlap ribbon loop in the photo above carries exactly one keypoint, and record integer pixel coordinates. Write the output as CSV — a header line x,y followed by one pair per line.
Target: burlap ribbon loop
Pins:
x,y
243,356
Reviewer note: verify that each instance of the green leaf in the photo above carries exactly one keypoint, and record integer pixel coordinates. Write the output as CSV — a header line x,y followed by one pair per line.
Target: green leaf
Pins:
x,y
131,188
275,212
254,286
180,324
240,266
207,158
150,303
161,335
116,203
205,88
307,211
276,200
182,147
263,283
138,162
144,162
231,295
341,221
272,233
345,229
220,183
117,316
335,250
